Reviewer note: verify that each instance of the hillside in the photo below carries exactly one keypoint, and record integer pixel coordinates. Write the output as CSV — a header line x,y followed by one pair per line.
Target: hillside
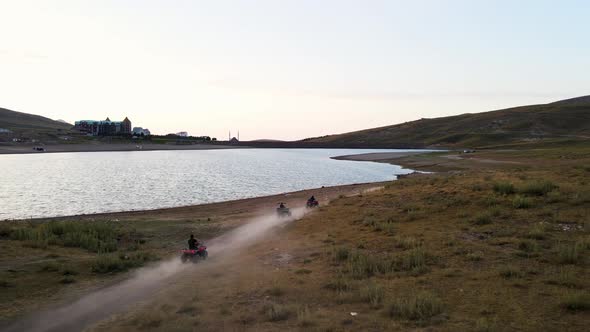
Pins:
x,y
24,122
564,120
30,127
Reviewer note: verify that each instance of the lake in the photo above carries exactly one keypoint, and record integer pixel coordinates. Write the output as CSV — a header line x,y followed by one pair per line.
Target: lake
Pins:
x,y
62,184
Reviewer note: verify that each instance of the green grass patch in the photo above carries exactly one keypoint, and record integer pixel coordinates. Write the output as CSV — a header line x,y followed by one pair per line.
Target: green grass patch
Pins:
x,y
109,263
483,218
417,307
537,188
521,202
538,232
509,272
372,293
579,301
407,242
341,253
92,236
569,253
504,188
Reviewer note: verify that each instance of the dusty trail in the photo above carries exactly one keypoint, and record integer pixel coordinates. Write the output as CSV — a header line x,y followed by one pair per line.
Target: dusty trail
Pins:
x,y
146,281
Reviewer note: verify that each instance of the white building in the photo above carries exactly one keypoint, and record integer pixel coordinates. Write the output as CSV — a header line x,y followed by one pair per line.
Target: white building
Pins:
x,y
138,131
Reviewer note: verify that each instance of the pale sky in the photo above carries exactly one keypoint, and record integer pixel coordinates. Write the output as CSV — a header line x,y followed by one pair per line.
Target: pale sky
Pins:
x,y
287,69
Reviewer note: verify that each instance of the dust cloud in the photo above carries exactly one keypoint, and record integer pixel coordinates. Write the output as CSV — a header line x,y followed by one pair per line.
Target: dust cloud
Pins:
x,y
147,281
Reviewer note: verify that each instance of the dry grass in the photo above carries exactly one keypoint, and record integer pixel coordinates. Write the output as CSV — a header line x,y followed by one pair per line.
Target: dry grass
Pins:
x,y
524,270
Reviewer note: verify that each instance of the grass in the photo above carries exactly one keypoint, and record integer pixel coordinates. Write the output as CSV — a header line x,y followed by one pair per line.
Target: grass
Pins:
x,y
407,242
109,263
509,272
414,260
521,202
339,284
305,317
504,188
373,294
537,188
277,312
276,290
538,232
565,277
569,253
483,218
504,275
92,236
363,266
578,301
385,227
341,253
418,307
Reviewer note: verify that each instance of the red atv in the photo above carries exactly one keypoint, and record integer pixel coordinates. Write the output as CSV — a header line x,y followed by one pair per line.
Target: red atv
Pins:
x,y
194,255
312,204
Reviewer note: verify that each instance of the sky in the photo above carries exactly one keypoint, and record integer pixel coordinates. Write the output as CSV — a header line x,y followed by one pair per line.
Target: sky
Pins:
x,y
281,69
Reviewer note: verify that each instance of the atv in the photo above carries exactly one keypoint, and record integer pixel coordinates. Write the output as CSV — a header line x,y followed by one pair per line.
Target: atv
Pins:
x,y
283,211
312,204
194,255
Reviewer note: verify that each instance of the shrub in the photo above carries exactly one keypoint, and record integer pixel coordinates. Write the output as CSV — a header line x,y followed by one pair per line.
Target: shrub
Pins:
x,y
408,242
385,227
339,284
569,253
304,317
485,325
475,256
373,294
508,272
341,253
108,263
5,284
504,188
521,202
538,232
565,277
362,265
276,291
67,280
421,306
482,219
414,260
277,312
537,188
49,267
92,236
528,246
576,301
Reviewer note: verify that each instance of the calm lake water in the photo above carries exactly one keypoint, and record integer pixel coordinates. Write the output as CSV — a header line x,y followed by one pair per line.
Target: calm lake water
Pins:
x,y
61,184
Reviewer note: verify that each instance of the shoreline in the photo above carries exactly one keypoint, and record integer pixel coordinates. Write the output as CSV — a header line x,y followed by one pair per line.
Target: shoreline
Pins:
x,y
380,156
123,147
252,204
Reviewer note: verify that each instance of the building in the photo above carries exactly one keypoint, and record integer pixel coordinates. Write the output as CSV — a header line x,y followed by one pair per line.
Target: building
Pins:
x,y
182,134
139,131
104,127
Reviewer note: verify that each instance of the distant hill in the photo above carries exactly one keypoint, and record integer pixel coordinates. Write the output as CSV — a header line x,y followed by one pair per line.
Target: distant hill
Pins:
x,y
566,119
24,124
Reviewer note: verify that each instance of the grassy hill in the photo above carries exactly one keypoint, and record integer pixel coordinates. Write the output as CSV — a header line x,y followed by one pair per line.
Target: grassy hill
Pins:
x,y
563,120
31,126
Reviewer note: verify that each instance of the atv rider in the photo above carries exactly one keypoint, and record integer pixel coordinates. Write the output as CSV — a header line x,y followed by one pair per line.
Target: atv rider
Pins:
x,y
311,200
281,205
193,244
